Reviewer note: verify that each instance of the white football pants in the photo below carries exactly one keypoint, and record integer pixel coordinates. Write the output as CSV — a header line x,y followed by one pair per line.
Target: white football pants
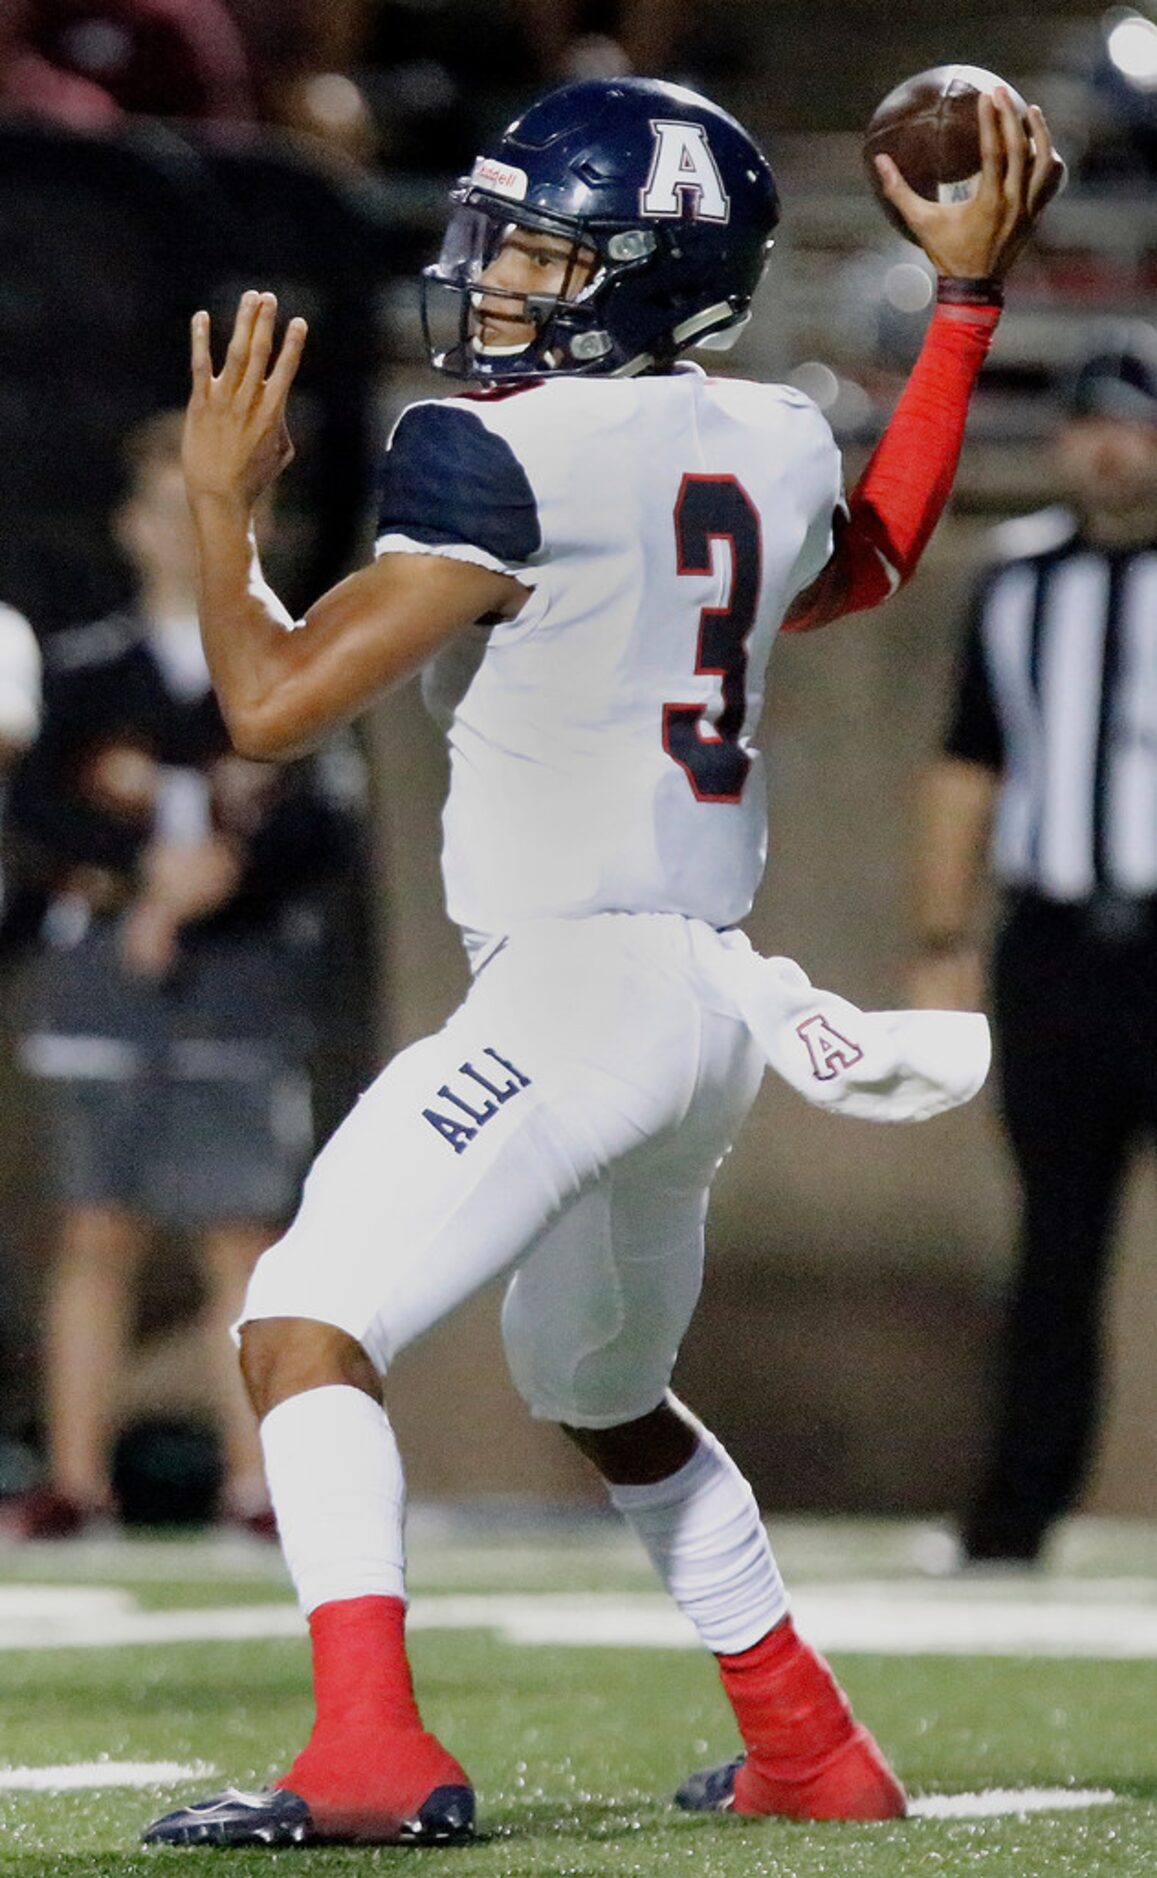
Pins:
x,y
564,1128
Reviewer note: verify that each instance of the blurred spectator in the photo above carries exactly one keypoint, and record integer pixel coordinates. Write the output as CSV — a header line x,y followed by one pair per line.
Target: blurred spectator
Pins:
x,y
89,63
1050,766
443,78
20,669
1115,62
32,86
304,59
173,998
573,39
19,685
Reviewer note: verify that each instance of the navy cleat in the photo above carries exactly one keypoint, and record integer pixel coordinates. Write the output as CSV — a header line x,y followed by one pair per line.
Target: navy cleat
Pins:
x,y
275,1817
445,1817
712,1791
270,1817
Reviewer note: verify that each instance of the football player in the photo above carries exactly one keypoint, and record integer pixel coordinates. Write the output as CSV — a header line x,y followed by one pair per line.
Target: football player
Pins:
x,y
587,551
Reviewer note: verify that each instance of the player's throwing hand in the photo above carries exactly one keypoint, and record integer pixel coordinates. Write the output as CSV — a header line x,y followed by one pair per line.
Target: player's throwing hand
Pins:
x,y
1020,173
236,439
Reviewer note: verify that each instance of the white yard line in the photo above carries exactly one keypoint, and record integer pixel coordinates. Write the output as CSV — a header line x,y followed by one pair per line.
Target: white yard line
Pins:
x,y
1004,1800
890,1618
87,1774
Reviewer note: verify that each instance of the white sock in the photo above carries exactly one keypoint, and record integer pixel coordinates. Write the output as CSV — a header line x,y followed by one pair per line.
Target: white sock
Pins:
x,y
703,1534
335,1479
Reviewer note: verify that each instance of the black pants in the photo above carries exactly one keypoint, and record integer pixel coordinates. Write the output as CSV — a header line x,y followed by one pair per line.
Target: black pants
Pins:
x,y
1075,1008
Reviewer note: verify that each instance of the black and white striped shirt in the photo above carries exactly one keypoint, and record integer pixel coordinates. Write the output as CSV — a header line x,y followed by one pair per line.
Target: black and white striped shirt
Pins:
x,y
1058,691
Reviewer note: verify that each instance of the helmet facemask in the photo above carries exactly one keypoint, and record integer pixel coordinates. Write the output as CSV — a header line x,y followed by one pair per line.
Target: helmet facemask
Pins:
x,y
549,332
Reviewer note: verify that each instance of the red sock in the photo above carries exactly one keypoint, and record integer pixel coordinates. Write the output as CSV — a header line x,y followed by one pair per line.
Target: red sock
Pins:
x,y
807,1757
369,1763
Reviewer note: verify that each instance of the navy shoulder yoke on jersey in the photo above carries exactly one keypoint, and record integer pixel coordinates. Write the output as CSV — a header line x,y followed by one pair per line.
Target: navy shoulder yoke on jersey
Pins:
x,y
447,479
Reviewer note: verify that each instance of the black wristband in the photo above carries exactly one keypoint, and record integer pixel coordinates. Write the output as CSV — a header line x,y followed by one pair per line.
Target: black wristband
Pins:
x,y
952,290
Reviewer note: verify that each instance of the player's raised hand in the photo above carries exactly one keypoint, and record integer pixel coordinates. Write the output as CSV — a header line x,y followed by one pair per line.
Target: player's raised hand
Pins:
x,y
236,440
1020,173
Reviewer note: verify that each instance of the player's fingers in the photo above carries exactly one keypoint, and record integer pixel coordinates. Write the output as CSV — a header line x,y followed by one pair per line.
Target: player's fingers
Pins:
x,y
1015,140
288,359
992,155
201,359
914,208
260,347
1054,183
237,354
1049,172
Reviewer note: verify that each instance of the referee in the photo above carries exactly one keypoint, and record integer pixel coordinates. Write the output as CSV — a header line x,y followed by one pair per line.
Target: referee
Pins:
x,y
1047,778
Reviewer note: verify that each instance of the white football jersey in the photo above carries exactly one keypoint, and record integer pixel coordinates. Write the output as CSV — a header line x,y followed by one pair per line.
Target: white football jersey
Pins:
x,y
602,743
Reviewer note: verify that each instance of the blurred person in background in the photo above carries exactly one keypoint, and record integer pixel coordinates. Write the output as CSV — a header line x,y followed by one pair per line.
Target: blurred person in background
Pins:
x,y
89,64
32,85
551,558
21,667
92,64
1047,783
20,707
574,39
20,686
304,61
174,994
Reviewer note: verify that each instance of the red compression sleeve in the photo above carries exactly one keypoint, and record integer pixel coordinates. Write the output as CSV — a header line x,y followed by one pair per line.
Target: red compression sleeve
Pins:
x,y
901,495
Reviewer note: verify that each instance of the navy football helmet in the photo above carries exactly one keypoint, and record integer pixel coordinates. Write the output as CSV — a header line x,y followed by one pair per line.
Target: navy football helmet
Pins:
x,y
658,204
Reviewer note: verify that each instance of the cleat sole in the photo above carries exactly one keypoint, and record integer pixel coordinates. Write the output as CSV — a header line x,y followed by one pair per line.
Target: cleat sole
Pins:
x,y
271,1818
446,1817
277,1817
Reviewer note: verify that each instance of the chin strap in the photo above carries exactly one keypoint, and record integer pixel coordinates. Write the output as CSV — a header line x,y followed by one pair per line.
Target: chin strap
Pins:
x,y
902,493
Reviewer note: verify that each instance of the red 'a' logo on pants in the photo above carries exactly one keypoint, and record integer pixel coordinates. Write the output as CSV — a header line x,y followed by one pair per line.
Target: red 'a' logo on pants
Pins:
x,y
830,1052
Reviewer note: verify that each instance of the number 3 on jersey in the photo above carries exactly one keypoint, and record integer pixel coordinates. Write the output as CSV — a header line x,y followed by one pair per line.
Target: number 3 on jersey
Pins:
x,y
717,508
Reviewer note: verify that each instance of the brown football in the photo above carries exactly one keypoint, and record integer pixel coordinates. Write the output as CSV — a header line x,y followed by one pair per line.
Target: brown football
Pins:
x,y
929,127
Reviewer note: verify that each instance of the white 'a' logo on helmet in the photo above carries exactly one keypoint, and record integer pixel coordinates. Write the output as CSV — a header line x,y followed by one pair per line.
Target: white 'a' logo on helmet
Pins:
x,y
684,178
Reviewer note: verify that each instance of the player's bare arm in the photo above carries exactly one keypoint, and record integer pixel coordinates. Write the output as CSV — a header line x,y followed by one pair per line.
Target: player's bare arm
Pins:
x,y
955,807
898,500
284,685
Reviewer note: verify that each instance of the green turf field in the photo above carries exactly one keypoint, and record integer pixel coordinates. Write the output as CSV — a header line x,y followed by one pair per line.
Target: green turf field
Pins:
x,y
575,1746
